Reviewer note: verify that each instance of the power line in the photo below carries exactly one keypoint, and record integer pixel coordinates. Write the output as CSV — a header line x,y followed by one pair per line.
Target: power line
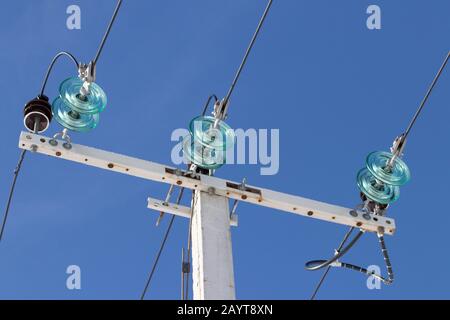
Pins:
x,y
425,99
161,248
319,285
11,193
13,185
108,31
247,53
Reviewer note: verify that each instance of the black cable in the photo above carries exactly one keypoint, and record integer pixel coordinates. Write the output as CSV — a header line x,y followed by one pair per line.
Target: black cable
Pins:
x,y
320,264
425,99
50,68
163,243
387,281
11,193
213,96
247,53
108,30
324,276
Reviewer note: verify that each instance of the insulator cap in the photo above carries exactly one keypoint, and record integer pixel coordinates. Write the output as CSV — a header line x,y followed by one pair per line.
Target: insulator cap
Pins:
x,y
38,109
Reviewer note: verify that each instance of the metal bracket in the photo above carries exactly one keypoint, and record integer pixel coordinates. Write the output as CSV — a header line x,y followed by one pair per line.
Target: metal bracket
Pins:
x,y
87,73
178,210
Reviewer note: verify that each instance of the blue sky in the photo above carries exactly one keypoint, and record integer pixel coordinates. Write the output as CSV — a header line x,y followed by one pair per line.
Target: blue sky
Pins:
x,y
335,89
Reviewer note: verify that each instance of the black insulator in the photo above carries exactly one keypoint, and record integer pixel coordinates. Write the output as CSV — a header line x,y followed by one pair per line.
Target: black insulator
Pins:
x,y
37,110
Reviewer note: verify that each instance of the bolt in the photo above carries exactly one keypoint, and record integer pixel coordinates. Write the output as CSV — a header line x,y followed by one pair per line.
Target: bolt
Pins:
x,y
34,148
366,216
67,146
353,213
53,142
211,191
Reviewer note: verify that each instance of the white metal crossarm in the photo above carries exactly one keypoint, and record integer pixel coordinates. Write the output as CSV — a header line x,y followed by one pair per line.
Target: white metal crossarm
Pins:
x,y
178,210
160,173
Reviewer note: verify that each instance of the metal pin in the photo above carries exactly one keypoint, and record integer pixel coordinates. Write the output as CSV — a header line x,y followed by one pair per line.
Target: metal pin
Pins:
x,y
165,203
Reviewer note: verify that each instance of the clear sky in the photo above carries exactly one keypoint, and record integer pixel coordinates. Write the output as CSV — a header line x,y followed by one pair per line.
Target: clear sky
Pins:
x,y
335,89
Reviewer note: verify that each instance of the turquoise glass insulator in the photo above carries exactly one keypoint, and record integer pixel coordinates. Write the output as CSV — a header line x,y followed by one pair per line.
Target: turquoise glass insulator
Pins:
x,y
397,174
212,133
376,190
204,157
94,102
71,119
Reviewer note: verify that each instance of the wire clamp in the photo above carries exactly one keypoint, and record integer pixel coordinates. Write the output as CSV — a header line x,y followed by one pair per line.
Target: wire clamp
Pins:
x,y
65,136
221,110
87,73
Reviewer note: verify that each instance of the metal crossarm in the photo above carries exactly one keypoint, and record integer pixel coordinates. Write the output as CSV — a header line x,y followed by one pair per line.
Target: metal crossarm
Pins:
x,y
160,173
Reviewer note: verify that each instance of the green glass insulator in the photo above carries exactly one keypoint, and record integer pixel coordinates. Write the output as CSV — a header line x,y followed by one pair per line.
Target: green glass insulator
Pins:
x,y
376,190
71,119
70,92
204,157
397,174
212,133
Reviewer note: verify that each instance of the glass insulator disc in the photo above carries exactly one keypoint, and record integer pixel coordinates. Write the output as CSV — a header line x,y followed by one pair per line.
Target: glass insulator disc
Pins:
x,y
204,157
212,133
375,190
397,175
72,120
94,102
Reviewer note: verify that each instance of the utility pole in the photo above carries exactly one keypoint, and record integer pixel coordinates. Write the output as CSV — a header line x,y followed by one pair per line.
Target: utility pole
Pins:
x,y
212,257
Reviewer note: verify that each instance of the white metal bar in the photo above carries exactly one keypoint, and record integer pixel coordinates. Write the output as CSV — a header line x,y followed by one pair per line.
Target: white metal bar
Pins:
x,y
178,210
161,173
212,257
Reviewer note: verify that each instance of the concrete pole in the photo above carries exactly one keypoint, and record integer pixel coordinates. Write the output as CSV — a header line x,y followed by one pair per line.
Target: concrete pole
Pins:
x,y
212,257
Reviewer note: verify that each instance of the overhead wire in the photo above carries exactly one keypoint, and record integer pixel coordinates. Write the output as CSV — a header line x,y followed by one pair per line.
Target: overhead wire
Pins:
x,y
161,248
13,185
108,31
324,276
247,53
427,95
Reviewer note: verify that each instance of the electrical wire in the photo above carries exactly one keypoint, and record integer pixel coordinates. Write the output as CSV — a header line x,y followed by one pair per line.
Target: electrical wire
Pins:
x,y
50,68
108,31
315,265
324,276
13,185
387,261
425,99
213,96
387,281
11,193
161,248
247,53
